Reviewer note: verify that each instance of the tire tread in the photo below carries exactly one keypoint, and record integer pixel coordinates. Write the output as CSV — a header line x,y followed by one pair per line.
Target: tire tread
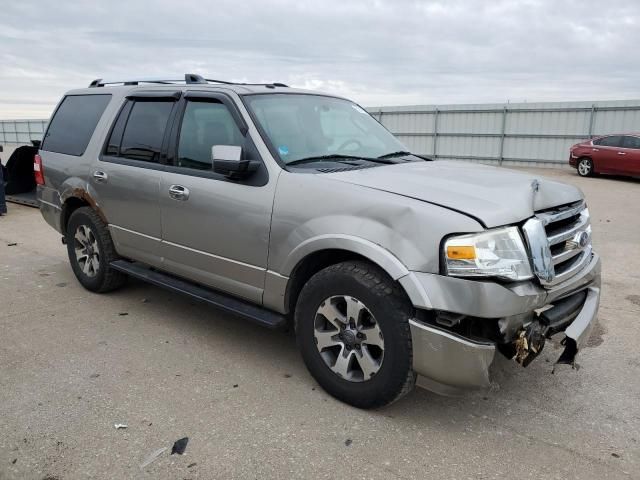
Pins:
x,y
113,279
383,287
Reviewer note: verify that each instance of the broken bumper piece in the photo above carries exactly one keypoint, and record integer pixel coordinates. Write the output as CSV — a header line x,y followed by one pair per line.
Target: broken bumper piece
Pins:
x,y
447,362
577,333
574,316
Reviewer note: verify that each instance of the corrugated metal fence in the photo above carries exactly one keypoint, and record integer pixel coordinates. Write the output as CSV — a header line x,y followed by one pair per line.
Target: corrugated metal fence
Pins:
x,y
14,133
21,131
522,133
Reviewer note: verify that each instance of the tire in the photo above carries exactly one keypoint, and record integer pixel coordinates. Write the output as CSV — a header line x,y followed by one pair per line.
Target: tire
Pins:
x,y
379,368
585,167
84,228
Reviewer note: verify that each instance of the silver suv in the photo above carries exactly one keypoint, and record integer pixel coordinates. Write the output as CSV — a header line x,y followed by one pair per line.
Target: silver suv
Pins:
x,y
282,205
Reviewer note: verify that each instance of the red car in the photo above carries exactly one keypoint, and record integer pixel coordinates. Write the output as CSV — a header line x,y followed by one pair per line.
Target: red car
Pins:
x,y
615,154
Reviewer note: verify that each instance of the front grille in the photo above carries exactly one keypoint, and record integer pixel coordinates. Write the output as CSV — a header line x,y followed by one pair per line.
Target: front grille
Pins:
x,y
566,246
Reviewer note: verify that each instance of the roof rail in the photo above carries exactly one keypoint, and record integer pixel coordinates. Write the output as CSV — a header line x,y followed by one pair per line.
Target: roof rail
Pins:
x,y
189,79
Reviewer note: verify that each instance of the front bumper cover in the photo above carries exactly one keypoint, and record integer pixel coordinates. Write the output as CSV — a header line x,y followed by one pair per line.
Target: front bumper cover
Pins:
x,y
448,361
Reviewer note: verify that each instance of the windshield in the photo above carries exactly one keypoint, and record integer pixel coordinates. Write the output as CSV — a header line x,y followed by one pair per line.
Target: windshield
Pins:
x,y
301,126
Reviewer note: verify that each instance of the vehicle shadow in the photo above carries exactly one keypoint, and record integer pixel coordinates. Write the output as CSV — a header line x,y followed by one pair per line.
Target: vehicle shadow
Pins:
x,y
619,178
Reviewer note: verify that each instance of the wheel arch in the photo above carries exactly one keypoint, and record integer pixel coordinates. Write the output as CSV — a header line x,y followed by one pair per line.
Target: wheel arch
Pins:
x,y
75,197
316,254
70,205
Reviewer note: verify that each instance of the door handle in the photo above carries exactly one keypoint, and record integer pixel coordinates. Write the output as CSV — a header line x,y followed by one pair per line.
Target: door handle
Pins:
x,y
178,192
622,153
100,176
595,149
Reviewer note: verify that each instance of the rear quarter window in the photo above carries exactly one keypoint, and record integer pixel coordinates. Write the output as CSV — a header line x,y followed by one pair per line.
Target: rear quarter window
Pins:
x,y
73,123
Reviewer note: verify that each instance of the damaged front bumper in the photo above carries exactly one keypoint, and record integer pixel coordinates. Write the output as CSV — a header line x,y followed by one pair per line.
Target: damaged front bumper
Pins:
x,y
525,314
446,362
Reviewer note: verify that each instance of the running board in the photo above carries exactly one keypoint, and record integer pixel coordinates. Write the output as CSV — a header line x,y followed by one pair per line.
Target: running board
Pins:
x,y
230,304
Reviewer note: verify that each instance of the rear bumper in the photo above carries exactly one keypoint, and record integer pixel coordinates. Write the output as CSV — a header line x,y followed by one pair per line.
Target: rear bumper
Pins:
x,y
49,203
449,361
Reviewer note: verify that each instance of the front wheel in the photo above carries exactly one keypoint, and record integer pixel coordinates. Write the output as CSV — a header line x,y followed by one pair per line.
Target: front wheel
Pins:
x,y
585,167
352,328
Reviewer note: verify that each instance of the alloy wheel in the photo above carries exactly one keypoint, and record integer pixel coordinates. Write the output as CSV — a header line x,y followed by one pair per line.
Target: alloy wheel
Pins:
x,y
348,338
87,251
584,167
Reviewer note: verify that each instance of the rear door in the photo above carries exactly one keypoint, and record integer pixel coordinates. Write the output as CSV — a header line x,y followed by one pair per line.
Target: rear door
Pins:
x,y
605,154
631,159
126,178
217,231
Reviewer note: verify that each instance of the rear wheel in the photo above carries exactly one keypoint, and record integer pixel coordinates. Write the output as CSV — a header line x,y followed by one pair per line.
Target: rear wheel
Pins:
x,y
585,167
91,251
352,328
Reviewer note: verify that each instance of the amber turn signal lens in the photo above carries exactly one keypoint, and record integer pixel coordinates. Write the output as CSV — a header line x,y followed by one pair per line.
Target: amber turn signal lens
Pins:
x,y
461,253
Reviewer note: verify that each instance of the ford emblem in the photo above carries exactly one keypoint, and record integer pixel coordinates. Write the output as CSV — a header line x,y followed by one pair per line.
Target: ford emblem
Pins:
x,y
581,239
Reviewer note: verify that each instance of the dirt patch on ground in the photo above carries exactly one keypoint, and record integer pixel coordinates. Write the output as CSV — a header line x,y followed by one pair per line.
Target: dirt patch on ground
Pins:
x,y
635,299
596,335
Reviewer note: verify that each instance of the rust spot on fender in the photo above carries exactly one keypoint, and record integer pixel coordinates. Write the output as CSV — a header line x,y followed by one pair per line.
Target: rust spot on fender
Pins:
x,y
82,194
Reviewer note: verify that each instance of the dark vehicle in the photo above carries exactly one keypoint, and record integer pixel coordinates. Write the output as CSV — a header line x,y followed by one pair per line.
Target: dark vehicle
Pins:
x,y
18,175
611,154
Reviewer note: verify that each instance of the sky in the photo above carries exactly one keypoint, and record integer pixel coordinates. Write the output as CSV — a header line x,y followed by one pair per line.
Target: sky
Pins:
x,y
378,53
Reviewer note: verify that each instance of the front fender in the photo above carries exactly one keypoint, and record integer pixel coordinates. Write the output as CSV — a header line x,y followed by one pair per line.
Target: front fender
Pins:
x,y
375,253
276,284
312,213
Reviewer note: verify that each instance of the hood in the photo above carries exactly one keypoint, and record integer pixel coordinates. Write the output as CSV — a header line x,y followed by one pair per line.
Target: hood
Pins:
x,y
494,196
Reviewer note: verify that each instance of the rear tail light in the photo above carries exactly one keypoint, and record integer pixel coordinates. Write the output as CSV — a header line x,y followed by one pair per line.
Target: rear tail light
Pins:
x,y
38,171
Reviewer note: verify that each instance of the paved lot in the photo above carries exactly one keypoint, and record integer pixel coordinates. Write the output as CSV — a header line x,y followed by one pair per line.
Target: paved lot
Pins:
x,y
73,364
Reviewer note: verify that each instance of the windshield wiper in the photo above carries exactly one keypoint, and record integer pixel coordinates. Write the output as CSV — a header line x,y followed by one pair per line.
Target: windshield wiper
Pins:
x,y
336,157
394,154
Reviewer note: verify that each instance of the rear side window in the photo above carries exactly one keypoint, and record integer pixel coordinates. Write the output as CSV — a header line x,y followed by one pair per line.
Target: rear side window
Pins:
x,y
139,130
631,142
612,141
73,123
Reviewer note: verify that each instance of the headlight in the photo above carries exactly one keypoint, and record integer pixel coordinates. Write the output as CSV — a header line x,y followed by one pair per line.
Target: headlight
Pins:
x,y
495,253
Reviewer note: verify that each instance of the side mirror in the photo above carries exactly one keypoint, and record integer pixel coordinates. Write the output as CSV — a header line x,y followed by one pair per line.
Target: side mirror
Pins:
x,y
227,160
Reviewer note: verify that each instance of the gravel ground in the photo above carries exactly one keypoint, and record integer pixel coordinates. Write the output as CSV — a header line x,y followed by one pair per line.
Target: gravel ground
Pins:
x,y
73,364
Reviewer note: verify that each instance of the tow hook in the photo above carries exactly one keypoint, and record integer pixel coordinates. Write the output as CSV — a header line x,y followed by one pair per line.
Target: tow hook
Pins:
x,y
529,343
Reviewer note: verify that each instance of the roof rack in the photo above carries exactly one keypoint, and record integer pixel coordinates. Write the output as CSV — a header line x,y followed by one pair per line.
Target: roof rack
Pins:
x,y
189,79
